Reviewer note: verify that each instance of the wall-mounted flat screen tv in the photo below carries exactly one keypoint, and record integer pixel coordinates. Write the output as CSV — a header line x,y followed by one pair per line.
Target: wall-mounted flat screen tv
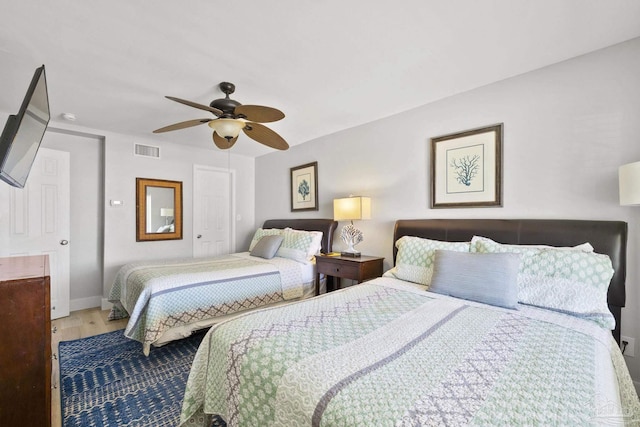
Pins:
x,y
23,132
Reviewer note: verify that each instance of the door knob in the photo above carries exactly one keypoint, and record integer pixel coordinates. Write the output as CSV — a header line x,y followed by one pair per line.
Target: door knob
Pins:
x,y
64,242
198,236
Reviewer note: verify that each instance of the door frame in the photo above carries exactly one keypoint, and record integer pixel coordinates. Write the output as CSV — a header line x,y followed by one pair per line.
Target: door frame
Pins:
x,y
232,204
76,142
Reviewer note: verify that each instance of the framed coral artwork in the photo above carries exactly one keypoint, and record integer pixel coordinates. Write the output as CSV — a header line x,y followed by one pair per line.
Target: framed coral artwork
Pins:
x,y
466,168
304,187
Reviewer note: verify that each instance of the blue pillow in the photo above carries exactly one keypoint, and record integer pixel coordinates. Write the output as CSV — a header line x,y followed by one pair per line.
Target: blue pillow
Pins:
x,y
267,247
489,278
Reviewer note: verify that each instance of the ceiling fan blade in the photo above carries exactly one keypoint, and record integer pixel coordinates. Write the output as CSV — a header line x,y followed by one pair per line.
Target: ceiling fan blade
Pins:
x,y
196,105
182,125
258,113
265,136
222,143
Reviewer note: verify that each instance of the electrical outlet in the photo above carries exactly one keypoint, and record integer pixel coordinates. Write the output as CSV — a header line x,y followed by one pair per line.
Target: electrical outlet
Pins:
x,y
629,350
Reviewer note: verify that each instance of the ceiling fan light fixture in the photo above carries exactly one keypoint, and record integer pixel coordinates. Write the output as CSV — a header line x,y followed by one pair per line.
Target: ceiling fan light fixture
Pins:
x,y
231,117
227,128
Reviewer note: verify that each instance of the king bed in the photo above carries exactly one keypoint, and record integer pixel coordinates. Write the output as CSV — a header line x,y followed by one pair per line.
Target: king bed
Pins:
x,y
479,322
606,237
168,299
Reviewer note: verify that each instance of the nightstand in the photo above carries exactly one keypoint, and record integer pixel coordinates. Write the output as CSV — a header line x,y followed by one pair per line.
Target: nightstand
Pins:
x,y
337,267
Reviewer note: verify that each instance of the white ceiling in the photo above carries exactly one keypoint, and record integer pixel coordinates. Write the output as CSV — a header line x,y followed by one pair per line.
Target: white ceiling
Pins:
x,y
327,64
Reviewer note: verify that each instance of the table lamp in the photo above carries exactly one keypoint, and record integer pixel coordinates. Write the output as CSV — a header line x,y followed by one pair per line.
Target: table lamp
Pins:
x,y
629,184
166,213
350,208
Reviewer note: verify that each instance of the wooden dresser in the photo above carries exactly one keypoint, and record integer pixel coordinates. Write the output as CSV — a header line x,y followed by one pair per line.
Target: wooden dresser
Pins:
x,y
25,341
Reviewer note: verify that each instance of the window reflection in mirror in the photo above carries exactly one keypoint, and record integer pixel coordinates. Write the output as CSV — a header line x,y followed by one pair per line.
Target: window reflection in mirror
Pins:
x,y
159,209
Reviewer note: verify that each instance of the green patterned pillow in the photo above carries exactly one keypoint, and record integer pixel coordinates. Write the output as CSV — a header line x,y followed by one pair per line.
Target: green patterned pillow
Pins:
x,y
563,279
261,232
414,262
300,245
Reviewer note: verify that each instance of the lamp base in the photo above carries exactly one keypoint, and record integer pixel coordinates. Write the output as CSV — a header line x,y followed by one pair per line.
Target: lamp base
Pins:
x,y
351,254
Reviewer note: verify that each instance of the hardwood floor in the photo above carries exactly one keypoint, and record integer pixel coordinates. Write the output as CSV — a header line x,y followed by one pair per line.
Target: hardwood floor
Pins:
x,y
79,324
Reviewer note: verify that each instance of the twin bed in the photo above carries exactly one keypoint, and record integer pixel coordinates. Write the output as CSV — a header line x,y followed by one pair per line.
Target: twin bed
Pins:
x,y
168,299
524,340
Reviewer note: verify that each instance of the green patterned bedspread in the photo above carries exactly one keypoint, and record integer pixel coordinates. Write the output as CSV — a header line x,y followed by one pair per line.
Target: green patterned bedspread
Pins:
x,y
378,354
165,294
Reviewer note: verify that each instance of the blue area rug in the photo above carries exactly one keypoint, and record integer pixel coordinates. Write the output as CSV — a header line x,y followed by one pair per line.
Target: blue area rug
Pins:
x,y
106,380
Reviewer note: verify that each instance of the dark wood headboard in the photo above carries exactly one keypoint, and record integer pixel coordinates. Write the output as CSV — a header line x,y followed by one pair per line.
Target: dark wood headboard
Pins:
x,y
327,226
606,237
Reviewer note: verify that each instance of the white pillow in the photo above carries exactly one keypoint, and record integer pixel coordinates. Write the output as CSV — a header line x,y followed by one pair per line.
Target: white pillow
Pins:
x,y
316,241
477,242
414,261
300,245
567,280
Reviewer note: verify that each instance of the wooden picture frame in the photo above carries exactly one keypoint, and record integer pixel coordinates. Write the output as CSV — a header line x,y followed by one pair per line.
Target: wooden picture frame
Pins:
x,y
304,187
466,168
158,210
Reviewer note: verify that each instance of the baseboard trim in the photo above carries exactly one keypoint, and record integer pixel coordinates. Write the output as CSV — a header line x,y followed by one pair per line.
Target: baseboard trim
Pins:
x,y
84,303
106,305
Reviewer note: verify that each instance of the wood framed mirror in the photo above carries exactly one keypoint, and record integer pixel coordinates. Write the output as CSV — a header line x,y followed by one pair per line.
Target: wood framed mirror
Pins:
x,y
158,210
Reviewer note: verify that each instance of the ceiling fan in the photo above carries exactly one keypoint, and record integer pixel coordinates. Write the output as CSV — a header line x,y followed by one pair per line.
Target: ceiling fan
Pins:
x,y
231,118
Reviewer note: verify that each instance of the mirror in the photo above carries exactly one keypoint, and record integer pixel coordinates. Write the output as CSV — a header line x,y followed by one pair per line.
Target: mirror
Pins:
x,y
158,209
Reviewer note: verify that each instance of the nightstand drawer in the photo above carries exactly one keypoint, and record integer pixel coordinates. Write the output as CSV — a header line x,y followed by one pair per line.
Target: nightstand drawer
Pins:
x,y
339,270
335,268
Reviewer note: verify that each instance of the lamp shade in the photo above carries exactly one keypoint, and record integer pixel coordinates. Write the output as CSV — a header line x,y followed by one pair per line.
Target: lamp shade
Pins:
x,y
166,212
629,184
227,128
350,208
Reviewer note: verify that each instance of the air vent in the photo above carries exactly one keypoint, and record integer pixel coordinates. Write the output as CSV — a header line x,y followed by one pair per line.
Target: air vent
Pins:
x,y
146,151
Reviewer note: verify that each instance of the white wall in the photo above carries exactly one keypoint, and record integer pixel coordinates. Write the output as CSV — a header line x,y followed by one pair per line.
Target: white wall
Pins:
x,y
176,164
567,128
93,271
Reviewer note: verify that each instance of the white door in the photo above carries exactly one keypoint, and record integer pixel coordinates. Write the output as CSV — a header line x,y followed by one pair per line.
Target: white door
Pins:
x,y
38,221
213,211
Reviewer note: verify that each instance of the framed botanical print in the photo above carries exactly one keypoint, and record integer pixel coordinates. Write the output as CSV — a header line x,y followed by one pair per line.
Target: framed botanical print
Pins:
x,y
304,187
466,168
